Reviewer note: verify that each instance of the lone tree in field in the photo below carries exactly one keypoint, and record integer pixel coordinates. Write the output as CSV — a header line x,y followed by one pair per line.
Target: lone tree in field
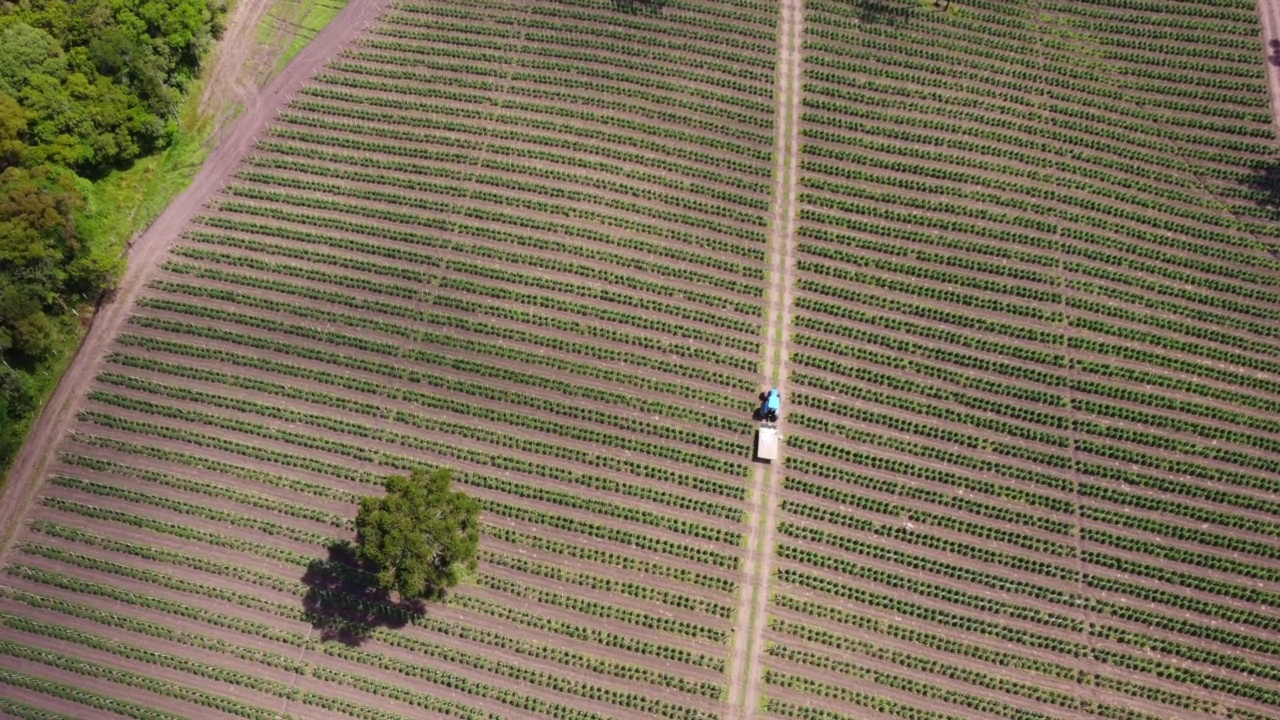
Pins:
x,y
421,537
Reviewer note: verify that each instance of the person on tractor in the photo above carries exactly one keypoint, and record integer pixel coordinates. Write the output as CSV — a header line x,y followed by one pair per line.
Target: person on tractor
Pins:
x,y
772,404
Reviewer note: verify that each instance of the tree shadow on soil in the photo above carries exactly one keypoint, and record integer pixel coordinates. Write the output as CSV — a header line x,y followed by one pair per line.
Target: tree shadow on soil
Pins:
x,y
343,602
640,7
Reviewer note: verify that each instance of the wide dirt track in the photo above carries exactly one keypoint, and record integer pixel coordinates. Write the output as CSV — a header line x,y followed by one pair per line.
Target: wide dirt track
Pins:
x,y
1009,264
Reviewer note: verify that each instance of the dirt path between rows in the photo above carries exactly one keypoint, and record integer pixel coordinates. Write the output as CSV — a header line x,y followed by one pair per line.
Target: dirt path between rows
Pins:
x,y
744,665
151,246
1269,15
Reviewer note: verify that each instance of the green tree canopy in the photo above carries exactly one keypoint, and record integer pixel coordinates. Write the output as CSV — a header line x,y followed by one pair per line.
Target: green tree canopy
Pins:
x,y
421,537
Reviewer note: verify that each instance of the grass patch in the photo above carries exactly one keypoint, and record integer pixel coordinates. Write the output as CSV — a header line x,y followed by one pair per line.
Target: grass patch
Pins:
x,y
298,21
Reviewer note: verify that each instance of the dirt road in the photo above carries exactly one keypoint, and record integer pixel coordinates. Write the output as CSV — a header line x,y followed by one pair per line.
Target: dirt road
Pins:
x,y
152,245
744,665
1269,14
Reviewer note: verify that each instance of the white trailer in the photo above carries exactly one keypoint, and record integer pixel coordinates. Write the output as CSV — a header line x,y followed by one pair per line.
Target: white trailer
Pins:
x,y
767,443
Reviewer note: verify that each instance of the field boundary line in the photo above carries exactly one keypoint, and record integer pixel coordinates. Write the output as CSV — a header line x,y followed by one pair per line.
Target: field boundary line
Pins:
x,y
744,666
149,248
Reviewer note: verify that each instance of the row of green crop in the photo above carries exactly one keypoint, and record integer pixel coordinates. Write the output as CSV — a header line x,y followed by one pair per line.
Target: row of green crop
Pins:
x,y
289,692
945,497
1004,632
107,703
648,704
505,194
1212,334
969,652
684,110
523,240
659,345
1033,355
250,499
431,400
1223,263
611,462
871,128
512,178
401,271
699,483
865,457
1023,371
587,633
1044,178
921,451
1148,547
457,266
1092,92
1103,608
931,293
208,270
644,541
556,148
840,49
23,711
1061,419
424,316
518,489
925,689
292,611
1105,492
643,592
421,336
666,61
296,639
293,391
847,499
842,452
924,272
1031,691
665,328
720,155
436,209
626,180
707,133
603,611
198,510
850,296
378,286
1030,197
657,388
538,50
825,560
675,37
610,559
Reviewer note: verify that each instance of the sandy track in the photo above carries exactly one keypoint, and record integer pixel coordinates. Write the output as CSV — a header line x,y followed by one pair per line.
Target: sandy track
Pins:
x,y
150,247
752,615
1269,15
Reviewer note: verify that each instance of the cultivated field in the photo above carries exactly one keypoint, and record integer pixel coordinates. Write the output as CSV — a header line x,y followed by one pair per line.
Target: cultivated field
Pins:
x,y
1034,431
1031,398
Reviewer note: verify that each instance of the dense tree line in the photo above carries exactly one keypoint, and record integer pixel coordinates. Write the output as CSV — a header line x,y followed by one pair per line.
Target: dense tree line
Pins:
x,y
85,86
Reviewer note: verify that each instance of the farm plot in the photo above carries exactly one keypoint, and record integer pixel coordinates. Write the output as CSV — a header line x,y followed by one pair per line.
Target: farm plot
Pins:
x,y
524,240
1032,466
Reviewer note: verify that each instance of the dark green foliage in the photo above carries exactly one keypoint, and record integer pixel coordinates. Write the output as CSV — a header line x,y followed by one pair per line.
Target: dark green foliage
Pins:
x,y
421,538
85,87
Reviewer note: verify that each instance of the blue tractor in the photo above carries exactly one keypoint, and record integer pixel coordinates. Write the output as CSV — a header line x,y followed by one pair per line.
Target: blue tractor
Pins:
x,y
772,404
